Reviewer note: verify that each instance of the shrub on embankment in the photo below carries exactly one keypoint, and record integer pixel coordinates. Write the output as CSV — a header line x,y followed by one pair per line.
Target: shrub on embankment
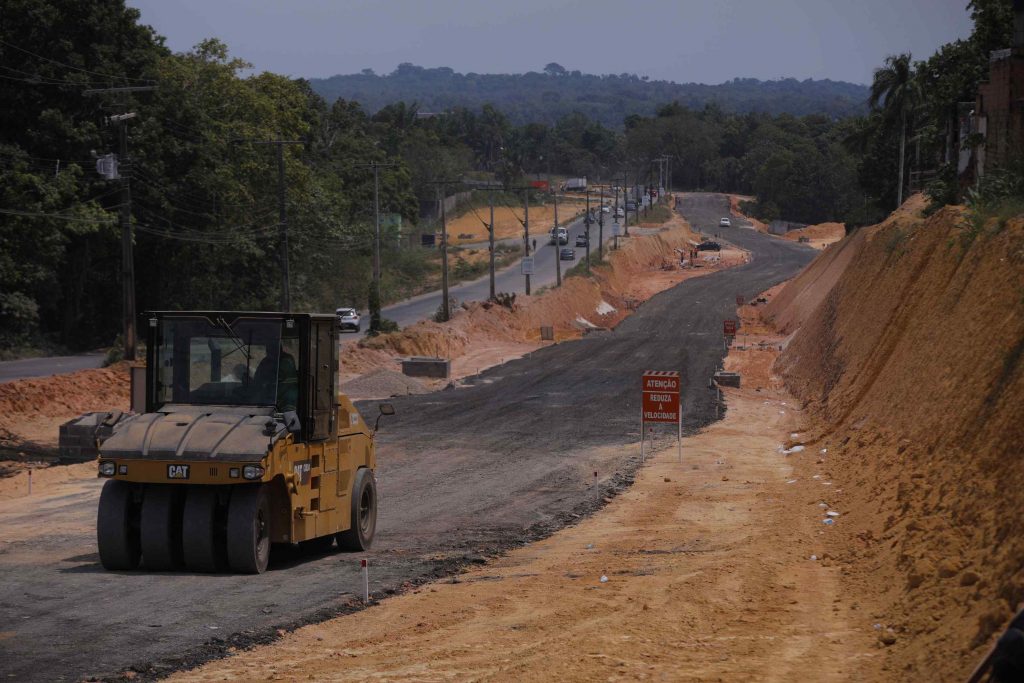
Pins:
x,y
912,359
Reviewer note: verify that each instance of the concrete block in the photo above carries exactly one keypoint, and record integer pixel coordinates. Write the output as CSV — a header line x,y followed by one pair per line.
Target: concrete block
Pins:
x,y
727,379
420,366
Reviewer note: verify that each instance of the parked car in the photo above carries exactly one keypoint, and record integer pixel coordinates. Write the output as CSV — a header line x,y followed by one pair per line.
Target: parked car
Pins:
x,y
724,223
619,212
348,319
567,254
630,206
559,236
606,209
582,240
709,246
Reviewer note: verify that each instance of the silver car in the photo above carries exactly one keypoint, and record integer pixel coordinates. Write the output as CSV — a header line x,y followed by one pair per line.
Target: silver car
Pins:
x,y
348,319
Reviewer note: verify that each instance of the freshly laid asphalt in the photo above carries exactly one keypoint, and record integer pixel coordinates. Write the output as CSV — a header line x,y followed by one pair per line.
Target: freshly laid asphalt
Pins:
x,y
462,474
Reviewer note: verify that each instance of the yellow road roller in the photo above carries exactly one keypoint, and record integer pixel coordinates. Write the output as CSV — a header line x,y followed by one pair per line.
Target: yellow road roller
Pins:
x,y
244,441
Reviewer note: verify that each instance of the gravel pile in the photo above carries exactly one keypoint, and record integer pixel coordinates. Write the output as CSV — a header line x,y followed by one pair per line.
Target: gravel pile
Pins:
x,y
383,384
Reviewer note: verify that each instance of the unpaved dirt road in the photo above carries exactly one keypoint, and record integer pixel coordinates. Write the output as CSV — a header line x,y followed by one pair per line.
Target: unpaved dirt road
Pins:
x,y
462,473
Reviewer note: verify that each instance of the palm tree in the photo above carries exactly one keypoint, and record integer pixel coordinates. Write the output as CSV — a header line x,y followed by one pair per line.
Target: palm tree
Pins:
x,y
896,89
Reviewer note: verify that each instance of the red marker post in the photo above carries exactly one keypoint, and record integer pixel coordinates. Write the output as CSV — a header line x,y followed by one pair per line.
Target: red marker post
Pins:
x,y
366,582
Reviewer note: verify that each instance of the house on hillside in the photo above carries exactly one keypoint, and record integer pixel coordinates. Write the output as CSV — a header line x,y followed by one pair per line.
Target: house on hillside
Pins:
x,y
999,107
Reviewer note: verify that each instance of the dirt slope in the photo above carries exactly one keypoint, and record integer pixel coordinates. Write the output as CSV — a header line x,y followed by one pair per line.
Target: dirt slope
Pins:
x,y
910,358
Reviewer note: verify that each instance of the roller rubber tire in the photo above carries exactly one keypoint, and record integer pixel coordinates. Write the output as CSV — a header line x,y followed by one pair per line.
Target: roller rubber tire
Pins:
x,y
364,513
248,537
161,527
202,536
117,527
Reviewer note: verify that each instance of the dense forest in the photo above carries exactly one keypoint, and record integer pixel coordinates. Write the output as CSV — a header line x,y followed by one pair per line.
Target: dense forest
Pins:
x,y
203,171
546,97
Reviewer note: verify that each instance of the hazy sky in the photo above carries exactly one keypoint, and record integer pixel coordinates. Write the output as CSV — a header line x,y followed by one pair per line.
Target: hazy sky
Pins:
x,y
707,41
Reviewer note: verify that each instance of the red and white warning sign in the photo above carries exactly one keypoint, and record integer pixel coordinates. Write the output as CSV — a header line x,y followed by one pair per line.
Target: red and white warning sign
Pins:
x,y
661,404
729,327
661,396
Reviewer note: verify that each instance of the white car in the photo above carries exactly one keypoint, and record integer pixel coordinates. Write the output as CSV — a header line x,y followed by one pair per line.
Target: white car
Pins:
x,y
562,236
348,319
606,209
724,223
620,212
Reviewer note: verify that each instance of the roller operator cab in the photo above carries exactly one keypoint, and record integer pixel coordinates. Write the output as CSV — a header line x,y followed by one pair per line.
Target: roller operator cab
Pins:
x,y
245,442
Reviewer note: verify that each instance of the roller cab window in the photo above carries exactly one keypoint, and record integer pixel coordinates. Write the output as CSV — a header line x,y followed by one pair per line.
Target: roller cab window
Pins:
x,y
217,361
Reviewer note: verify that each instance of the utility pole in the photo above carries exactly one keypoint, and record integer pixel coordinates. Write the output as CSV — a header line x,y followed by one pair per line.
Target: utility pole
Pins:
x,y
125,214
558,246
615,219
446,313
625,202
127,250
526,233
375,301
600,226
586,223
286,297
491,233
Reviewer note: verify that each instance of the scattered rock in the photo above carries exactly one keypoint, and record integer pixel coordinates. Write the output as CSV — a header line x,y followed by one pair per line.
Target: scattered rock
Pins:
x,y
969,578
887,639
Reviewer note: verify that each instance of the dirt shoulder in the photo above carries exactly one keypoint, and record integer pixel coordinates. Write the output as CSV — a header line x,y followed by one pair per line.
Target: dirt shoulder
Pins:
x,y
709,575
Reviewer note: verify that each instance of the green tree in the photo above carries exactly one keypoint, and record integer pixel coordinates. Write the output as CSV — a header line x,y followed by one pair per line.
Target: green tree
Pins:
x,y
896,91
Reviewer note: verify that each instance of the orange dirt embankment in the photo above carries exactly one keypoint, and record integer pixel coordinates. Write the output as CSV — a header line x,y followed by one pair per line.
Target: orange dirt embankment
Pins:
x,y
708,575
469,227
32,409
484,334
911,359
818,236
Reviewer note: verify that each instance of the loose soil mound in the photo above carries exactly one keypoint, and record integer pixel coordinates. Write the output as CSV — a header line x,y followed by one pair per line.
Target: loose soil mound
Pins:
x,y
383,383
818,236
913,363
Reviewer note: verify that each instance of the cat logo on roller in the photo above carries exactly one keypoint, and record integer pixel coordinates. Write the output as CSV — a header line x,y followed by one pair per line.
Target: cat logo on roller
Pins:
x,y
177,471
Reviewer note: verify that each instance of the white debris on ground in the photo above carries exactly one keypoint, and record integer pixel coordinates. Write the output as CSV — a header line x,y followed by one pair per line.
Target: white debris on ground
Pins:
x,y
604,308
580,320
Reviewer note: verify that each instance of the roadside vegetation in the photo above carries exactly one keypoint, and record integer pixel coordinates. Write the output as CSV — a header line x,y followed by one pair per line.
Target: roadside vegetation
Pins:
x,y
204,185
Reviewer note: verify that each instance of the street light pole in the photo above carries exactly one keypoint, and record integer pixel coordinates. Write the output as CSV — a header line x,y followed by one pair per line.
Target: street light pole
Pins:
x,y
600,226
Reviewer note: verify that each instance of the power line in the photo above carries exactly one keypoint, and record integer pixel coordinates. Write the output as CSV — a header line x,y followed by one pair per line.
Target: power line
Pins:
x,y
76,68
58,216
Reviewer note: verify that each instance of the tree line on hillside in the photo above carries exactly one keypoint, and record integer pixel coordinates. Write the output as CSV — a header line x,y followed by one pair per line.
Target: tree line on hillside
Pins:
x,y
204,182
548,96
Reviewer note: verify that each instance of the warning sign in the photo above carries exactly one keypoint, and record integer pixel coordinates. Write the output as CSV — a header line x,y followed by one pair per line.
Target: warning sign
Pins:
x,y
739,299
660,396
729,327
